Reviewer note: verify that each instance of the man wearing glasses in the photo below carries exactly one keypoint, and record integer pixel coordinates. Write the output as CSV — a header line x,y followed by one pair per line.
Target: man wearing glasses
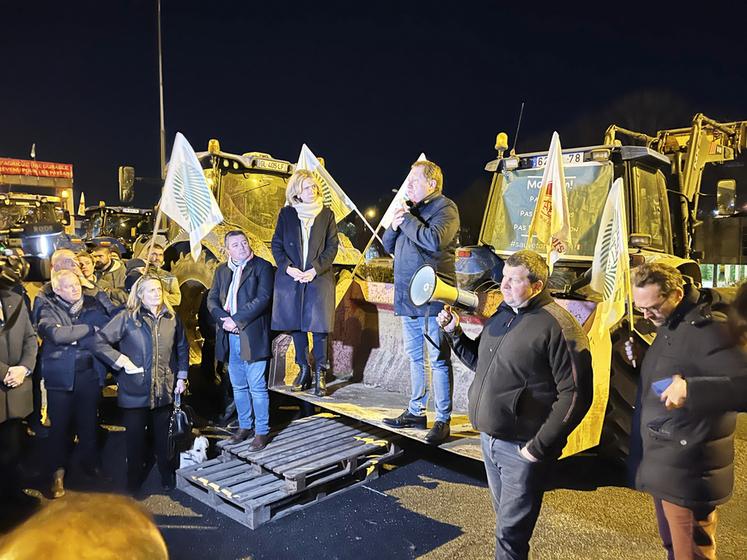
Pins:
x,y
687,460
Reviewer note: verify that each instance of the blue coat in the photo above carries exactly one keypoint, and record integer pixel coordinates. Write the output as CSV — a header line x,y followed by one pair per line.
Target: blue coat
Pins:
x,y
47,293
253,315
308,307
427,236
67,340
157,344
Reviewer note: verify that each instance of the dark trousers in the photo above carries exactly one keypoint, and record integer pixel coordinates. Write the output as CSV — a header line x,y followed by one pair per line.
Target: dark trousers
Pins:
x,y
144,428
11,436
78,408
686,534
301,342
517,487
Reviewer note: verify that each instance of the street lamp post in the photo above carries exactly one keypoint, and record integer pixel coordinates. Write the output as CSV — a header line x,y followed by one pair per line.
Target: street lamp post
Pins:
x,y
160,91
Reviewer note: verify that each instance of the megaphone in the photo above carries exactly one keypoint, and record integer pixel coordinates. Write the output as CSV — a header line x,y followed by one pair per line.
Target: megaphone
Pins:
x,y
426,286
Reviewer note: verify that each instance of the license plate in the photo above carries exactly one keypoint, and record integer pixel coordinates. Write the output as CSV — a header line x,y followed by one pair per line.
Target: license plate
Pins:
x,y
270,165
571,158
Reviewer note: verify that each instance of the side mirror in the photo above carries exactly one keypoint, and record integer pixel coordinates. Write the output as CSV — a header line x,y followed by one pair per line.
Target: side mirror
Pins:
x,y
66,217
126,183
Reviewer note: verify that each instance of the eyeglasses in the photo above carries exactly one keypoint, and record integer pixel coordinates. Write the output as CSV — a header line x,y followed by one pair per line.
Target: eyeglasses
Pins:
x,y
652,308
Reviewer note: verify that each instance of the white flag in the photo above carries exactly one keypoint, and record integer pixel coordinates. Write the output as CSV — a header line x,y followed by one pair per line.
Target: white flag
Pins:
x,y
610,268
82,205
186,197
610,277
551,218
333,195
398,201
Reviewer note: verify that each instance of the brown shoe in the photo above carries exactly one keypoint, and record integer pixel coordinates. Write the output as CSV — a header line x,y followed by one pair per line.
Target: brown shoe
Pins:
x,y
259,442
240,436
58,484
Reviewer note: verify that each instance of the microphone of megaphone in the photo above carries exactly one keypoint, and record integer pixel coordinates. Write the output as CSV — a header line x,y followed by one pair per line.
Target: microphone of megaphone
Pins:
x,y
426,286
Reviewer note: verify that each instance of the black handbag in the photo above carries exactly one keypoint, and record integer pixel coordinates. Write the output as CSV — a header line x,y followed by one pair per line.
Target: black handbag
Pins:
x,y
180,427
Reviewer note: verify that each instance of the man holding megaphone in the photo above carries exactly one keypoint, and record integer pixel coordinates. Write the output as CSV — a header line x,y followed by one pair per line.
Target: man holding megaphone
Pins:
x,y
424,231
532,387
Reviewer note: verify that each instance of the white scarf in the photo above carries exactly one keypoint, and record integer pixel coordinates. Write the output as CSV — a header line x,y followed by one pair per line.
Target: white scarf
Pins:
x,y
233,289
307,213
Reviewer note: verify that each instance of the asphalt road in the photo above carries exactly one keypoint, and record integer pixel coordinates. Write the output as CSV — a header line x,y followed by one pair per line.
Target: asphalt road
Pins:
x,y
431,505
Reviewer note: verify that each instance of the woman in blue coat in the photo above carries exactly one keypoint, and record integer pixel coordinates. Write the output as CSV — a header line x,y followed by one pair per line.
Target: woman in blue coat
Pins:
x,y
73,377
305,246
153,359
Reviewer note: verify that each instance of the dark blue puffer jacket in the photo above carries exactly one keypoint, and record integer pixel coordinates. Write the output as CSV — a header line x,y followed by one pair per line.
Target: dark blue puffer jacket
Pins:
x,y
427,236
67,340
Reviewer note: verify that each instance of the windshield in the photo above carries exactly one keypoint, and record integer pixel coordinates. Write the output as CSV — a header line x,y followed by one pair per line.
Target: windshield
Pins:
x,y
121,226
19,214
126,226
252,201
514,197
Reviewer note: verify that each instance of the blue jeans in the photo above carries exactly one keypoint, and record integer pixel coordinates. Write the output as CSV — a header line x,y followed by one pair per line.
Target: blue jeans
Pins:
x,y
517,486
440,367
249,389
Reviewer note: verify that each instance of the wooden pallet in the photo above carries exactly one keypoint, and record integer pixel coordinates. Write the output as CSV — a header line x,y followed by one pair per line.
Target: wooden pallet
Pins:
x,y
305,462
316,448
233,488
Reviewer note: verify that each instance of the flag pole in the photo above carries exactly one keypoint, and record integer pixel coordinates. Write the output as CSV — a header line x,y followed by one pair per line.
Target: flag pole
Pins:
x,y
162,129
159,215
373,231
363,253
629,298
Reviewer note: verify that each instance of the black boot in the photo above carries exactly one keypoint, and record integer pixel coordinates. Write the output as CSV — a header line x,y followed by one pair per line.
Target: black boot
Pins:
x,y
320,381
303,379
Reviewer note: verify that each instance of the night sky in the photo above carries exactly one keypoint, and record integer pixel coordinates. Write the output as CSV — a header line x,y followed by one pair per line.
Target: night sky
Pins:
x,y
367,85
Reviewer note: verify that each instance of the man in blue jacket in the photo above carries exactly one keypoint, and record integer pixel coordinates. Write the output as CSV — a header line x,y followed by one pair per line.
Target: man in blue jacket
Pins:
x,y
240,302
424,232
73,377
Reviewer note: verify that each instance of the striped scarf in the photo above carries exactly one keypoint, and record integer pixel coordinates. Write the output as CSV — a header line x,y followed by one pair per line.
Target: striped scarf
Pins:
x,y
73,309
233,289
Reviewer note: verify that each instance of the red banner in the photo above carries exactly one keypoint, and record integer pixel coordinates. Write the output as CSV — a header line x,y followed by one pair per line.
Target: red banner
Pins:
x,y
32,168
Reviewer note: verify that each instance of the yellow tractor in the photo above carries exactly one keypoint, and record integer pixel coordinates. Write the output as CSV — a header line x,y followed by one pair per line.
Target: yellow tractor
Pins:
x,y
661,175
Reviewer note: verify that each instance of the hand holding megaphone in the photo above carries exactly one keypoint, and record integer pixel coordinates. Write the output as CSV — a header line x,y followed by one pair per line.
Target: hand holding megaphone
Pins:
x,y
426,286
447,319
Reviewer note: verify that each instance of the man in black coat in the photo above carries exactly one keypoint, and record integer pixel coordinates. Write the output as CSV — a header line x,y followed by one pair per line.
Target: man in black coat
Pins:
x,y
687,460
532,387
424,233
18,348
240,301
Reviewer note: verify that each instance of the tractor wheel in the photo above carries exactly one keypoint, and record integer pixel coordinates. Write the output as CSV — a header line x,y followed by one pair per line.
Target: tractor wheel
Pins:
x,y
617,428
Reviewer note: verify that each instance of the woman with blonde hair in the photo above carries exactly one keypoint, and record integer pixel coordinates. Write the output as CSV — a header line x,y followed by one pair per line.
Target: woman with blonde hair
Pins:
x,y
153,359
304,246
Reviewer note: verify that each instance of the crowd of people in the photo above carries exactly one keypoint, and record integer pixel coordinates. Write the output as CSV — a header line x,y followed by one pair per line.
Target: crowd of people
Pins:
x,y
100,315
532,362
